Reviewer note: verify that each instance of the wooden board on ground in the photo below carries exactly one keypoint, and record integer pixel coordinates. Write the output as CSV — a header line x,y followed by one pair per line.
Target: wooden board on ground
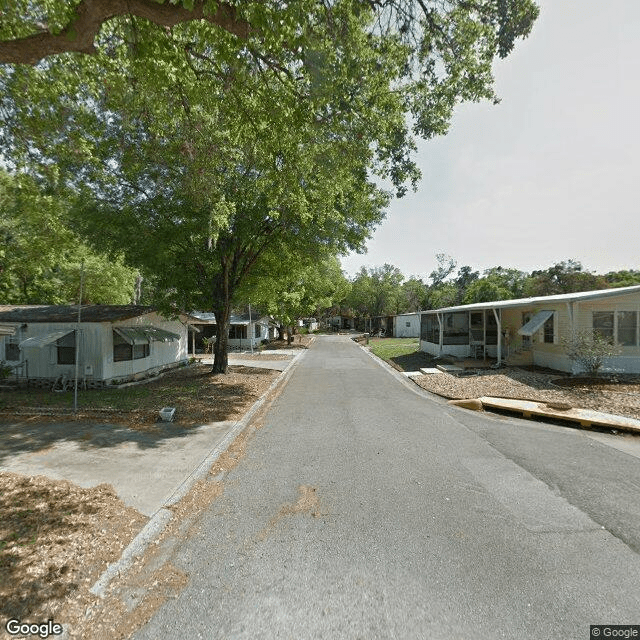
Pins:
x,y
584,417
429,370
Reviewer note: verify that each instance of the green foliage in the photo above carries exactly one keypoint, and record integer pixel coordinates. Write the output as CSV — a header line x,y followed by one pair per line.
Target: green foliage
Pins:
x,y
290,286
563,277
198,153
496,284
376,291
42,257
589,350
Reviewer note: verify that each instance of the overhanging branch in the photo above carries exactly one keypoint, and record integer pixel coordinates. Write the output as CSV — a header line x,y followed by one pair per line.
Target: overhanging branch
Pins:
x,y
80,33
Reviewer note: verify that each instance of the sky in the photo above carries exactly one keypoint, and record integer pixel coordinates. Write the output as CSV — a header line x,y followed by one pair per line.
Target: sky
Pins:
x,y
551,173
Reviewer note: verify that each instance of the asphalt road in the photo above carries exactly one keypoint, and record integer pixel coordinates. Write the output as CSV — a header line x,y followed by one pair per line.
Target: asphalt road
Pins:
x,y
365,510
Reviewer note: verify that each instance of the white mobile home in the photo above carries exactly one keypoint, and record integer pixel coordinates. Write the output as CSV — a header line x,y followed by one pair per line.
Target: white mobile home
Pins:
x,y
530,330
406,325
244,332
112,343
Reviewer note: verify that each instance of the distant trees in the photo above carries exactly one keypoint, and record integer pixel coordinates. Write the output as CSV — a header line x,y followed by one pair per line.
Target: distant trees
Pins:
x,y
384,291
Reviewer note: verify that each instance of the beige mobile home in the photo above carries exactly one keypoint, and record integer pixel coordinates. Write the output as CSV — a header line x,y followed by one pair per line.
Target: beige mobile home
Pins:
x,y
112,343
530,330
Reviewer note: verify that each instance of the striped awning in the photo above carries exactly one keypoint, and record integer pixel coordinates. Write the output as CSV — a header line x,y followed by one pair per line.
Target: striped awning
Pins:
x,y
7,330
535,323
43,341
145,334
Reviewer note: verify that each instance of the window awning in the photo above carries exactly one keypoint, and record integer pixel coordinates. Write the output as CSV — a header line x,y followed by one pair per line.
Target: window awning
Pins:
x,y
43,341
145,334
7,330
535,323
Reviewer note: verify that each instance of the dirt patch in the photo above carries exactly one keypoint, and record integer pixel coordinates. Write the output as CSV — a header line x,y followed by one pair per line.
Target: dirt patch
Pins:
x,y
55,540
307,502
198,396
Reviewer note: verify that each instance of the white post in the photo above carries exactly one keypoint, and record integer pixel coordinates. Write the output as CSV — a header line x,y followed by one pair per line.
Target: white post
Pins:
x,y
497,316
77,336
441,333
252,332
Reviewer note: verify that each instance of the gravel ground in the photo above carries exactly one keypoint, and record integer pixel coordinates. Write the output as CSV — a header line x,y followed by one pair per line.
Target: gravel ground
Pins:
x,y
526,385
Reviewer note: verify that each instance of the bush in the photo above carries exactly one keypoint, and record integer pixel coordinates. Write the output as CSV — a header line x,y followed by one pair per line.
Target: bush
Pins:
x,y
589,350
5,370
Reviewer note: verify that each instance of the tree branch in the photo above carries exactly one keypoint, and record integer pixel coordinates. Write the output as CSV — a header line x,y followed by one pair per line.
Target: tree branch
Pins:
x,y
80,33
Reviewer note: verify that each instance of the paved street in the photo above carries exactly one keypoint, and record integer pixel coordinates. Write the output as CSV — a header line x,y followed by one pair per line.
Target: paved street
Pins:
x,y
366,510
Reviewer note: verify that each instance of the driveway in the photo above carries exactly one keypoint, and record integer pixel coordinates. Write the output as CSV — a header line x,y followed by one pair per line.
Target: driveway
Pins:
x,y
363,509
144,467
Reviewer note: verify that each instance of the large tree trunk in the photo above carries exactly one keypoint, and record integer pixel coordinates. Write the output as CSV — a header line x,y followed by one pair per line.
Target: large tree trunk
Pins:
x,y
221,347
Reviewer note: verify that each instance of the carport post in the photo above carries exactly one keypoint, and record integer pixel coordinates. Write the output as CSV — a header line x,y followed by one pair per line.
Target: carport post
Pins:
x,y
441,334
497,317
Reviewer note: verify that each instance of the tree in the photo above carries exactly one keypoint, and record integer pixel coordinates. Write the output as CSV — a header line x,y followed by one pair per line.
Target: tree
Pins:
x,y
376,291
486,290
290,286
464,279
624,278
563,277
589,350
497,283
196,150
413,295
42,259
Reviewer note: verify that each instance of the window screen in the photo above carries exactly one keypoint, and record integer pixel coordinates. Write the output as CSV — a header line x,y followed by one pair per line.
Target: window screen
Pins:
x,y
627,326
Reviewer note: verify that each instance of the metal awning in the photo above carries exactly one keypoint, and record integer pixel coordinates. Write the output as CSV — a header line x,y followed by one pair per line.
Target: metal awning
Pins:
x,y
7,330
145,334
535,323
43,341
161,335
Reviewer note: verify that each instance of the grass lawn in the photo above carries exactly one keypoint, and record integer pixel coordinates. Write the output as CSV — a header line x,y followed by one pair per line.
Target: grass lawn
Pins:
x,y
401,353
387,348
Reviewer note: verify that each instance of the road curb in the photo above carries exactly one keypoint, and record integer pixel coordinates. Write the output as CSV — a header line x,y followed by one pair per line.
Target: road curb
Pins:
x,y
161,518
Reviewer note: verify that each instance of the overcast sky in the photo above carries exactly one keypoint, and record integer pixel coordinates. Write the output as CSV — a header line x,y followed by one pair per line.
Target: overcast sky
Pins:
x,y
549,174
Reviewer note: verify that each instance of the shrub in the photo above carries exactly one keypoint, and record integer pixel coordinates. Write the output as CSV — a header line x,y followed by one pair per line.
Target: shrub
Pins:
x,y
5,370
589,350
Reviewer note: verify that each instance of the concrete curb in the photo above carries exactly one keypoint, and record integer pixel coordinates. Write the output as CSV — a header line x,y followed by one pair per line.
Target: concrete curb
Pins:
x,y
161,518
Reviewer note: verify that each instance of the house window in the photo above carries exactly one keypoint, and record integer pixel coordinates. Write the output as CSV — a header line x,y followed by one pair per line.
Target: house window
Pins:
x,y
11,350
603,324
141,351
123,350
627,328
549,330
238,332
407,324
66,347
257,331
